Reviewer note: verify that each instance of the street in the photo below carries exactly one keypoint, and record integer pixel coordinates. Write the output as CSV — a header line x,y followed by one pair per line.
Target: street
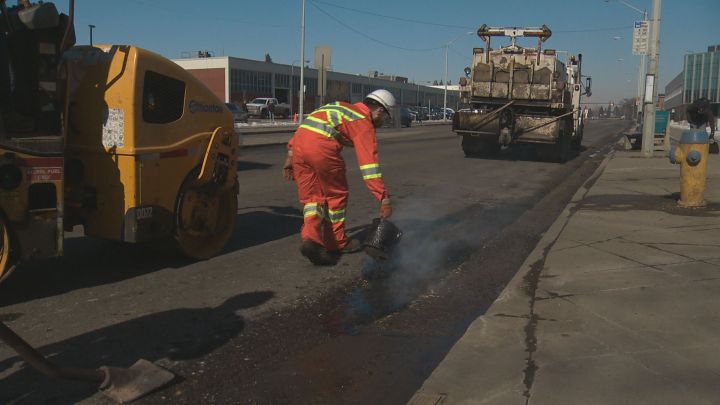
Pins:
x,y
258,323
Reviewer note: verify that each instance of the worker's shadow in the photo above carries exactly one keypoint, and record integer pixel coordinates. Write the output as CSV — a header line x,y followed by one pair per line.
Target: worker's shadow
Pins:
x,y
263,225
88,262
180,334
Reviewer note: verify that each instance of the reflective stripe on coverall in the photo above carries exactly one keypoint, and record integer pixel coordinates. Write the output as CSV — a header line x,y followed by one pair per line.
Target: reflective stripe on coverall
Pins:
x,y
319,168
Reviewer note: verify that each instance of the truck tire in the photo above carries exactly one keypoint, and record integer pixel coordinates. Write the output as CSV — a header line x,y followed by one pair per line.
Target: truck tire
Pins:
x,y
554,152
6,266
544,152
562,148
264,113
577,141
474,146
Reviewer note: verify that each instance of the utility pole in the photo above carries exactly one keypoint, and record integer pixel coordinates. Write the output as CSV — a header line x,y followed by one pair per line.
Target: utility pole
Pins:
x,y
641,74
641,67
447,46
91,30
444,115
651,83
302,64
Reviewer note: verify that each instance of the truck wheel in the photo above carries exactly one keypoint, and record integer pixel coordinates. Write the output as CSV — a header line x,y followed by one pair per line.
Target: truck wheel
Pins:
x,y
577,142
204,217
544,152
5,262
264,114
472,146
475,146
562,148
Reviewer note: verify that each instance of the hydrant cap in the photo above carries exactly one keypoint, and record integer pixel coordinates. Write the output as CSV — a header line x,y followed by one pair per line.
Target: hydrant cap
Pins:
x,y
694,157
694,137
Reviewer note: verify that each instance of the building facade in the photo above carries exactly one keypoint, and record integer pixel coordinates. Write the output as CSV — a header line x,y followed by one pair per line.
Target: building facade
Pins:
x,y
674,92
240,80
700,78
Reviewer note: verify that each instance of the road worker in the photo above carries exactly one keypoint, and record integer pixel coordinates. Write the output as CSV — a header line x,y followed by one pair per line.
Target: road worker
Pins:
x,y
316,164
700,115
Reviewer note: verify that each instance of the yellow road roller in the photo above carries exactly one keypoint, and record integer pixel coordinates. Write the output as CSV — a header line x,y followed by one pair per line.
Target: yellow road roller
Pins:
x,y
112,137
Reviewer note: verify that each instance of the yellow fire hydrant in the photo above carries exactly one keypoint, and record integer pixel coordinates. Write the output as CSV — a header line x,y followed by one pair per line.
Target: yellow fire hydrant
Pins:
x,y
692,155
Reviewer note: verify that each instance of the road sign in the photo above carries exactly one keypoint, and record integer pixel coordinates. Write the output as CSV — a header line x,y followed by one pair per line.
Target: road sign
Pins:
x,y
649,88
640,38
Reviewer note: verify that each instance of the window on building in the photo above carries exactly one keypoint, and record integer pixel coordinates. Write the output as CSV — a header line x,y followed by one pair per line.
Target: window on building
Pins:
x,y
250,81
310,87
282,81
395,92
338,90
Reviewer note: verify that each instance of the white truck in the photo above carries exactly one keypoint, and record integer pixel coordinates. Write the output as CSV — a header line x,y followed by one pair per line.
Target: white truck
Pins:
x,y
521,95
260,107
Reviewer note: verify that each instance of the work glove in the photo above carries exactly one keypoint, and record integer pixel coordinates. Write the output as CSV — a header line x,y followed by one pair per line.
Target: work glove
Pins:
x,y
385,208
288,169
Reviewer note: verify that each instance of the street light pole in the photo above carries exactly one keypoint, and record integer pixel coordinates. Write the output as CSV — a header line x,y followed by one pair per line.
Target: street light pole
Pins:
x,y
292,87
91,30
447,46
641,73
651,83
641,68
292,80
444,114
302,64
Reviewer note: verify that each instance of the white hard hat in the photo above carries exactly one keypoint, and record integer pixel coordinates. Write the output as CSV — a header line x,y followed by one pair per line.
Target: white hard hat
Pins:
x,y
384,97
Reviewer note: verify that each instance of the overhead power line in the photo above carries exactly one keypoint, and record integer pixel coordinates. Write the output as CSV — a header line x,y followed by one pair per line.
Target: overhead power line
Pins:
x,y
456,52
626,27
408,20
196,16
465,27
313,3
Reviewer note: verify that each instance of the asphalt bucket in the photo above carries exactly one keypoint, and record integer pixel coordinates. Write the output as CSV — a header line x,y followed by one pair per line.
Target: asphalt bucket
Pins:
x,y
381,239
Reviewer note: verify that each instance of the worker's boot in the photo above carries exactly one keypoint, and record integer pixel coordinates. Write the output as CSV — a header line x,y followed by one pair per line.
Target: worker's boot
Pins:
x,y
353,246
317,254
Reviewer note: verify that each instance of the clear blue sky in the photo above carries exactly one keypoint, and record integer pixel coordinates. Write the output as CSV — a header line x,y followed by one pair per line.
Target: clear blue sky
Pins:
x,y
369,40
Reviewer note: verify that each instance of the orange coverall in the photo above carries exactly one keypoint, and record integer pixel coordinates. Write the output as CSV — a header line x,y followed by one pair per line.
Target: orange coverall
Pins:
x,y
319,168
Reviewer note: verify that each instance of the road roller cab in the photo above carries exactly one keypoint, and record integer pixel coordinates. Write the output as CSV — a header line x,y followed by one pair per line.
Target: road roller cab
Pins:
x,y
140,129
111,137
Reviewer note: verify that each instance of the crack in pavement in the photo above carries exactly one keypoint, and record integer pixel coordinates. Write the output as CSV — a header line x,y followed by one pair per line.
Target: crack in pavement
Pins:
x,y
530,286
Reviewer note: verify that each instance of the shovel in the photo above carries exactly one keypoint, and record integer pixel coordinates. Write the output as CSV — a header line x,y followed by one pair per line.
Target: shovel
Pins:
x,y
120,384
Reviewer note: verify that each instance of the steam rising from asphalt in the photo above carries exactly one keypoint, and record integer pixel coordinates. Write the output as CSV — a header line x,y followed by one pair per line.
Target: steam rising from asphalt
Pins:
x,y
428,246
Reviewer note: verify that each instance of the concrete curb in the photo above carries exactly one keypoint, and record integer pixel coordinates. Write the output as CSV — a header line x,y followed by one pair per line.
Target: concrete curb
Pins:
x,y
501,344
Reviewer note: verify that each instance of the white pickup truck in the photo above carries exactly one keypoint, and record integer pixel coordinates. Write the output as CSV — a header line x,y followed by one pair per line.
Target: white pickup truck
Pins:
x,y
260,106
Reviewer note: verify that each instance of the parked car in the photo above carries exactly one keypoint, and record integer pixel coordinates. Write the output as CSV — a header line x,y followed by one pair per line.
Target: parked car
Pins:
x,y
406,117
421,113
240,114
436,113
449,112
260,107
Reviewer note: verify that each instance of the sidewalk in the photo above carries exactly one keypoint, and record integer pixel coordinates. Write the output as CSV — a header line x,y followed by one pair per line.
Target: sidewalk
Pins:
x,y
618,304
